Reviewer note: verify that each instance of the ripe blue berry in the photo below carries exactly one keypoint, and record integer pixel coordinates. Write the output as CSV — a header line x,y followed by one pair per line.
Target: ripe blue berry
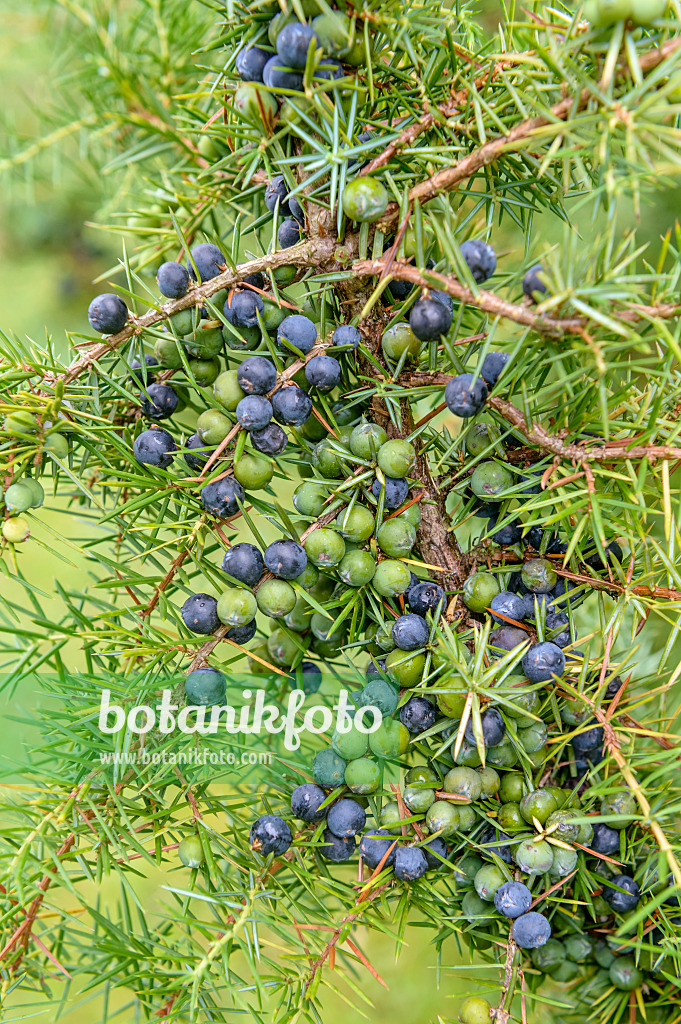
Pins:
x,y
430,319
424,597
142,376
336,848
435,851
558,629
543,661
306,801
277,192
605,839
510,605
493,366
374,846
209,261
222,497
346,335
410,863
293,42
276,75
418,714
173,280
197,459
512,899
242,634
254,412
306,677
243,562
410,632
270,834
464,396
346,818
271,440
107,313
509,534
243,309
291,406
205,687
159,401
256,375
531,930
323,372
493,728
623,898
533,287
480,258
200,613
286,559
297,331
288,233
250,62
396,491
154,447
505,638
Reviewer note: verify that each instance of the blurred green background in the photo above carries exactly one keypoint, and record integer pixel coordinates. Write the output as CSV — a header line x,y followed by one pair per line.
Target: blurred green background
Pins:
x,y
48,261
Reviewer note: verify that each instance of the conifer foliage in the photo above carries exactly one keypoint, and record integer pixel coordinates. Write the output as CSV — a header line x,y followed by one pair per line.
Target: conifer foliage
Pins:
x,y
381,397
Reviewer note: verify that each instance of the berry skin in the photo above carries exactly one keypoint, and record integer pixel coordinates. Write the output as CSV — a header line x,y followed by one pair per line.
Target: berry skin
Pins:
x,y
15,530
464,396
493,366
396,491
481,259
539,576
327,461
209,261
391,578
479,437
398,340
293,43
237,607
276,76
605,839
478,590
306,801
250,62
271,440
509,534
137,375
475,1010
380,694
107,313
328,768
543,661
558,629
592,739
323,373
533,287
288,233
19,497
362,776
325,547
396,458
490,479
198,454
355,524
357,568
285,559
436,851
621,901
222,497
213,426
336,849
159,401
309,499
173,280
410,863
291,406
539,804
242,634
154,447
310,677
297,331
346,335
463,782
200,614
254,412
531,930
512,606
190,852
418,714
277,192
410,632
426,597
256,375
329,70
346,818
365,200
430,319
205,687
624,974
533,858
270,834
493,728
512,899
244,562
243,310
374,846
487,880
396,537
